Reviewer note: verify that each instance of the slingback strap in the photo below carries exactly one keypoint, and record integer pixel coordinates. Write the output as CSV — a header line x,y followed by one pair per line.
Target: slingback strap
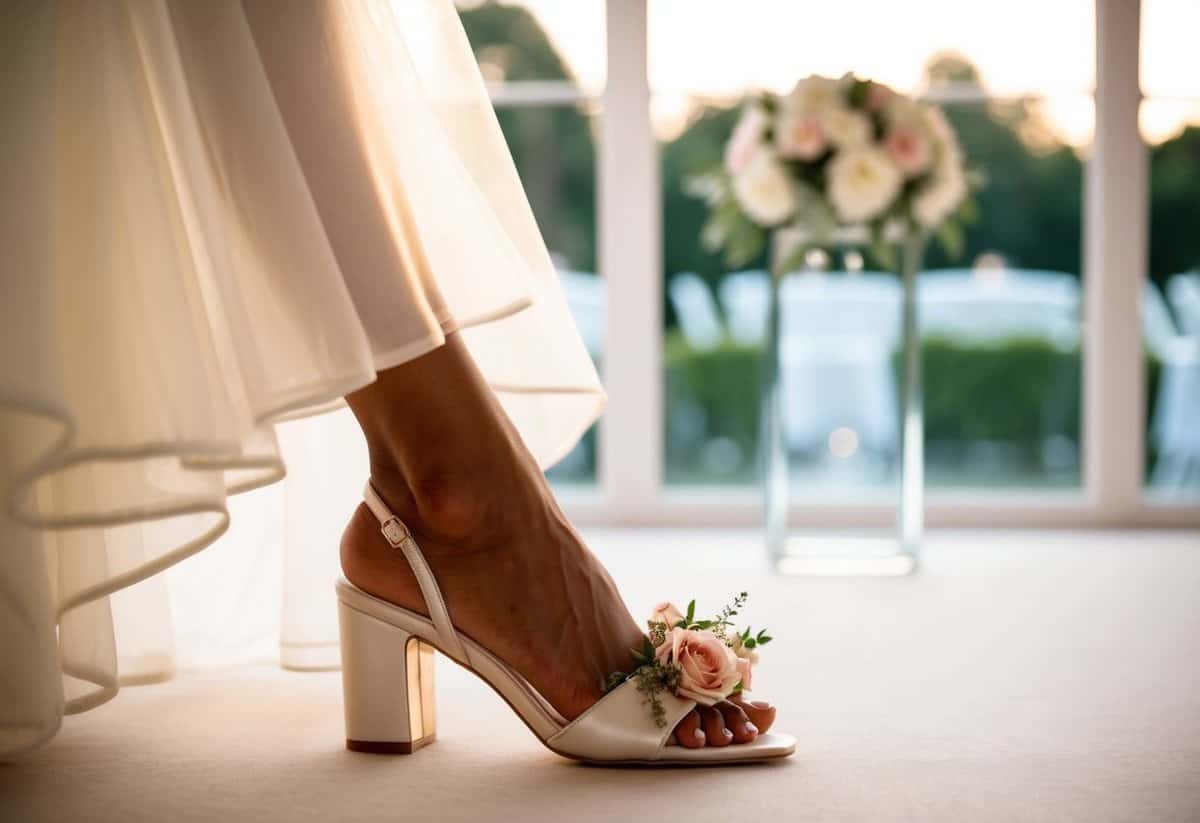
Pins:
x,y
399,537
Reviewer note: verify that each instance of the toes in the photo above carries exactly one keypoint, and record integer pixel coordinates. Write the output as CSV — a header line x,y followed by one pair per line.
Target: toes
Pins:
x,y
737,722
760,712
688,732
715,733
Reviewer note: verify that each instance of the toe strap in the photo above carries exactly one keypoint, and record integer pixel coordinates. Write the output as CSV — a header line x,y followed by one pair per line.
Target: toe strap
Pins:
x,y
620,726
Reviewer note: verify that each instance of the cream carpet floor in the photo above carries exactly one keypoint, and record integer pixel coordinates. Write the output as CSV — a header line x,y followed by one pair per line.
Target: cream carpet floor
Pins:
x,y
1019,677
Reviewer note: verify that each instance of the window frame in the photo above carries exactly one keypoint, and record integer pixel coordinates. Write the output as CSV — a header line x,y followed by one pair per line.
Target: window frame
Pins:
x,y
630,487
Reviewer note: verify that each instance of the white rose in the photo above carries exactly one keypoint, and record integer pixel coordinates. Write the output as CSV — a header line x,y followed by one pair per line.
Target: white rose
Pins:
x,y
813,95
846,128
937,124
905,111
862,183
739,649
940,196
764,189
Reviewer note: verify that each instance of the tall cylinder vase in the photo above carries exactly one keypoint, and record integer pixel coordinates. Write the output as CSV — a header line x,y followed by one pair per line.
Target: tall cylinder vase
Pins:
x,y
809,551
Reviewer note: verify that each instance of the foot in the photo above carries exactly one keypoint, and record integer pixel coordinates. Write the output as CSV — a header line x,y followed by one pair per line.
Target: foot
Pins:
x,y
522,584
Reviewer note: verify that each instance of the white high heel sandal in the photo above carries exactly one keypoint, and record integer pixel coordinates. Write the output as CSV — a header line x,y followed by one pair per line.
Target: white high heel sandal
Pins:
x,y
387,678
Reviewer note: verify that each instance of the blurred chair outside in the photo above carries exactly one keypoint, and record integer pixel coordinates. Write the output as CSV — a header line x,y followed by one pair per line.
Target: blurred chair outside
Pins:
x,y
696,311
1175,429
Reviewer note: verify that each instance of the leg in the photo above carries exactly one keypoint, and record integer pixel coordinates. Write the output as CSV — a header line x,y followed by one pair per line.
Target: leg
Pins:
x,y
516,576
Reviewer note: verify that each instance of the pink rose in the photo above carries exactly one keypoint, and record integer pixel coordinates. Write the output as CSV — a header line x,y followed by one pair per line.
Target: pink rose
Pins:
x,y
708,669
746,137
799,136
666,613
744,669
878,96
909,149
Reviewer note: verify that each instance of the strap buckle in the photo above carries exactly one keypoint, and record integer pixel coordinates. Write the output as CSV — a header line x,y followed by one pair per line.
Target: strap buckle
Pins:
x,y
395,531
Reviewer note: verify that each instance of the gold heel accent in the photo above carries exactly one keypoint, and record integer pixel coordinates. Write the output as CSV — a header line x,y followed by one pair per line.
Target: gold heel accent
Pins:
x,y
422,706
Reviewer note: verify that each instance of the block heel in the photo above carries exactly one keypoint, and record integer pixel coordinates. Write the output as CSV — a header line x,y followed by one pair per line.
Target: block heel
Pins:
x,y
387,685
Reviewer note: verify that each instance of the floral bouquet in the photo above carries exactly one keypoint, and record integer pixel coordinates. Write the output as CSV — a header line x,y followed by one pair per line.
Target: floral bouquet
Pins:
x,y
832,155
702,660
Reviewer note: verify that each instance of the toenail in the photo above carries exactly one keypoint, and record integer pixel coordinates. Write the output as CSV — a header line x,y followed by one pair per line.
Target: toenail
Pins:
x,y
699,735
751,728
726,733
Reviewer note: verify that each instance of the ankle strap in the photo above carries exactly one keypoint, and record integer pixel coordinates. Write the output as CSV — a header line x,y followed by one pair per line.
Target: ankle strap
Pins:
x,y
399,537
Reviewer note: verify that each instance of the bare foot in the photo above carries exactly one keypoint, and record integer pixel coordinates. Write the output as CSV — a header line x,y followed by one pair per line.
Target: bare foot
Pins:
x,y
535,596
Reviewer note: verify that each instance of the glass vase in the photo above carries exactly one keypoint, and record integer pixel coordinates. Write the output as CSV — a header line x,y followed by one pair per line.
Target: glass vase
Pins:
x,y
840,553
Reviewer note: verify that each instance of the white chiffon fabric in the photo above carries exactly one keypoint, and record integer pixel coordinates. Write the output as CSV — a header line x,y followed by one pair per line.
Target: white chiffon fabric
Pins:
x,y
185,264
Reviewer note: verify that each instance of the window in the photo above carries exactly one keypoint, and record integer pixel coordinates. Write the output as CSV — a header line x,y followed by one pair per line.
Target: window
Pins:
x,y
652,83
1002,331
1170,125
540,64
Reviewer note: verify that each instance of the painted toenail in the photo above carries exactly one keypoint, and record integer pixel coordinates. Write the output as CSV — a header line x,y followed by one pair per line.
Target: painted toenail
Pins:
x,y
751,728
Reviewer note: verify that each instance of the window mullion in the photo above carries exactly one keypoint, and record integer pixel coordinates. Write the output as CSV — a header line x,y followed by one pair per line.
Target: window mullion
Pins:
x,y
630,217
1115,265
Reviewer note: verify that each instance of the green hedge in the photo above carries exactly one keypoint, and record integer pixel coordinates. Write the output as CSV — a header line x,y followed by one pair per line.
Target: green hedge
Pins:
x,y
1017,392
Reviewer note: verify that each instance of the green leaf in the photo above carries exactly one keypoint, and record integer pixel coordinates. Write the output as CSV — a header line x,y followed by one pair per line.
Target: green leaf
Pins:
x,y
751,643
968,210
885,254
703,624
857,95
647,648
691,612
950,234
765,640
744,241
794,261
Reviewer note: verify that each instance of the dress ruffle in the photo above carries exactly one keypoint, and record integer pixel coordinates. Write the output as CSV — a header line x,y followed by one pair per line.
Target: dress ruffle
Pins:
x,y
182,270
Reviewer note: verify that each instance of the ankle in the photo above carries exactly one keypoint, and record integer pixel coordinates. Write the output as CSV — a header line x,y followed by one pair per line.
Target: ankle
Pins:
x,y
466,510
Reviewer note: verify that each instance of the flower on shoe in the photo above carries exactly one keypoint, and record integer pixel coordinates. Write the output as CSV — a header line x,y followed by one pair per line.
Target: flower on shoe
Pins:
x,y
708,668
799,136
764,189
666,612
862,184
746,138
